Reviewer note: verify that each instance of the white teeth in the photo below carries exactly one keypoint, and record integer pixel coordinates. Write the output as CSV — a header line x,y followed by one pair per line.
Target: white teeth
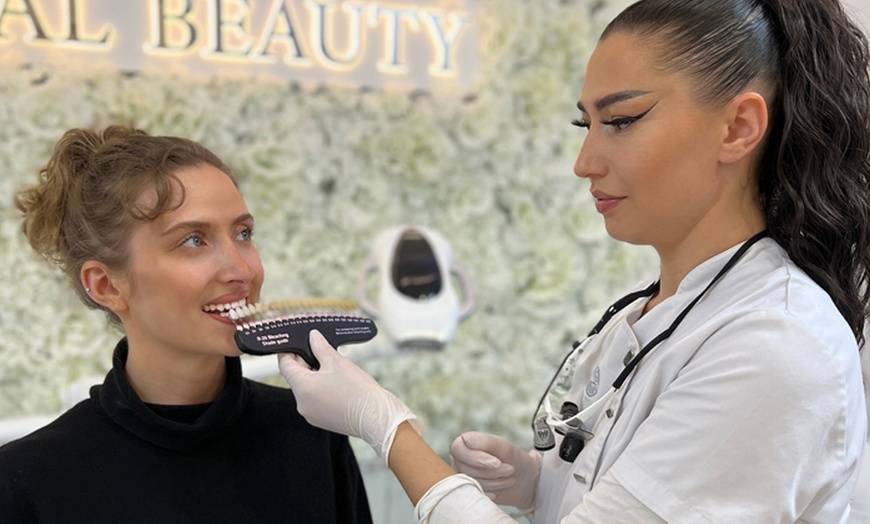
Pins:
x,y
241,313
224,307
245,311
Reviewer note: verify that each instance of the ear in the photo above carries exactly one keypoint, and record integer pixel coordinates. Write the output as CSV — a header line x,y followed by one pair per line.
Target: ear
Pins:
x,y
747,124
104,286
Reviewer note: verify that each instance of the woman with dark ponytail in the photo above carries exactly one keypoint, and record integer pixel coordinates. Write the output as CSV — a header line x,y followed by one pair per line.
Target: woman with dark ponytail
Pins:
x,y
732,136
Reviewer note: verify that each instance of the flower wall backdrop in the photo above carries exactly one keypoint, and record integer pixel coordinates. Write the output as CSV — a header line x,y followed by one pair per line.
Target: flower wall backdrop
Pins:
x,y
324,169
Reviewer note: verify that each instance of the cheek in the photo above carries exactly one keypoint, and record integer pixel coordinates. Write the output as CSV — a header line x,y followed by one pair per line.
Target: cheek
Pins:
x,y
256,266
178,287
139,280
678,159
645,167
156,278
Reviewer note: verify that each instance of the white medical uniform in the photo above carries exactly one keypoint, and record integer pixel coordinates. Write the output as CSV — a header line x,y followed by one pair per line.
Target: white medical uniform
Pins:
x,y
751,411
861,497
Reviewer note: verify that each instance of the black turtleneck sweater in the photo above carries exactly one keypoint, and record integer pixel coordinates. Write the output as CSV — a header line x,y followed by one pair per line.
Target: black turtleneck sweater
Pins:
x,y
246,457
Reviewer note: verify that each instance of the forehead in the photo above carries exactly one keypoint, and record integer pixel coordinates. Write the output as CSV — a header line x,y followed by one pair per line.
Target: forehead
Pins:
x,y
208,186
205,186
204,178
626,63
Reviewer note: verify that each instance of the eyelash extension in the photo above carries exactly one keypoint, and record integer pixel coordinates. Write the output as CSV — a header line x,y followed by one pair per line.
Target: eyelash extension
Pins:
x,y
622,122
283,326
616,122
627,120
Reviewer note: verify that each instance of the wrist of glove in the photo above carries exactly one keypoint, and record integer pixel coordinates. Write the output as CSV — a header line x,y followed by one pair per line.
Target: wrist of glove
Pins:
x,y
507,474
342,398
376,418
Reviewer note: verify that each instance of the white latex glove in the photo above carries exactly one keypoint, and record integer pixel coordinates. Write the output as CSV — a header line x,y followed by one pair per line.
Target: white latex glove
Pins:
x,y
507,474
342,398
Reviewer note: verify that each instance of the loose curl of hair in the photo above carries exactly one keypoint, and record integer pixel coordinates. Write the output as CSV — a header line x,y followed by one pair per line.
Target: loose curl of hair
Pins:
x,y
814,168
86,200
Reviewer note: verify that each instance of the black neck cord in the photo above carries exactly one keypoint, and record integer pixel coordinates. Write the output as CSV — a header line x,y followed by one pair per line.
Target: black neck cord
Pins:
x,y
573,445
626,371
650,290
617,306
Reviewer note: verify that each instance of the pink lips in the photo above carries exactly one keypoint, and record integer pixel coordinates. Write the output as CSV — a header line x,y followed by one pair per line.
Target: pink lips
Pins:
x,y
605,202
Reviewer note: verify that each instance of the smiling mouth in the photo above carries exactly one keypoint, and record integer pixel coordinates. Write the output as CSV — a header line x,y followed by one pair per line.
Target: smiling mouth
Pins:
x,y
224,309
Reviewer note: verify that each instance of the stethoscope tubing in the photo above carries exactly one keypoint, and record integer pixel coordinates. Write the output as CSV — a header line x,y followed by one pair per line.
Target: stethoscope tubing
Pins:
x,y
617,306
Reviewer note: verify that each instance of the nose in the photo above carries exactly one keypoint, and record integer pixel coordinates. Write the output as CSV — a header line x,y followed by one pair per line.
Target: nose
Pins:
x,y
589,161
241,263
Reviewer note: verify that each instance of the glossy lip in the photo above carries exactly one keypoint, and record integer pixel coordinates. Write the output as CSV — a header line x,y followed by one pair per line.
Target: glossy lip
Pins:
x,y
604,202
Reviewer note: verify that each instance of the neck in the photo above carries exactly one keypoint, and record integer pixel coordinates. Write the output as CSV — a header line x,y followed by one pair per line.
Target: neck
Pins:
x,y
170,380
679,260
734,217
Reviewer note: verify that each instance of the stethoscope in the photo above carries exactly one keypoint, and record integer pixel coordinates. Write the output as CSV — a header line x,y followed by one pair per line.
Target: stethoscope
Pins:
x,y
569,422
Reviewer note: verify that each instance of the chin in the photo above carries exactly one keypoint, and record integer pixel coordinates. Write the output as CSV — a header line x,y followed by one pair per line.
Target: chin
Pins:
x,y
227,347
232,351
626,235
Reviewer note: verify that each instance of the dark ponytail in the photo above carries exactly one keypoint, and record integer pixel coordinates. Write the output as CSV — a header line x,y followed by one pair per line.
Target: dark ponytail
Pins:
x,y
814,171
815,176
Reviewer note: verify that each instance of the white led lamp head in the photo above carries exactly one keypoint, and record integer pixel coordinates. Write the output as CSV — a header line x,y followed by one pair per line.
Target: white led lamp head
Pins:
x,y
417,306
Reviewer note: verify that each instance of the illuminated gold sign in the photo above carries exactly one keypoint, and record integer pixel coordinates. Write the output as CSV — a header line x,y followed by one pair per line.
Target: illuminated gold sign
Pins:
x,y
414,43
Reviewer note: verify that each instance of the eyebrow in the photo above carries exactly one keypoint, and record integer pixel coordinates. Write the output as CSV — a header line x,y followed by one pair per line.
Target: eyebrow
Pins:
x,y
613,98
198,224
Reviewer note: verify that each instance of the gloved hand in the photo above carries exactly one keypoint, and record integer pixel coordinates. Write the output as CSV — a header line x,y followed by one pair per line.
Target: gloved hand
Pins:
x,y
507,474
342,398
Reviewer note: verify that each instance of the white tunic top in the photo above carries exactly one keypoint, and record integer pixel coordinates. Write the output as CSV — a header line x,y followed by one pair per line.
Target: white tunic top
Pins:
x,y
861,497
751,411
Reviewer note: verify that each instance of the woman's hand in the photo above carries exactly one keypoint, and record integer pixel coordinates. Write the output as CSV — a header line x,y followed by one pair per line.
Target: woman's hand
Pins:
x,y
507,474
342,398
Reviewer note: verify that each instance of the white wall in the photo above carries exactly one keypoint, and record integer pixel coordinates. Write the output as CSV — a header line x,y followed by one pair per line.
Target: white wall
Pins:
x,y
861,10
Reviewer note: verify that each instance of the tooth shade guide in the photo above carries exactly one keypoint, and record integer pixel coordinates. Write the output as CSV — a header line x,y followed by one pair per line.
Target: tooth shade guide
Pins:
x,y
285,327
256,314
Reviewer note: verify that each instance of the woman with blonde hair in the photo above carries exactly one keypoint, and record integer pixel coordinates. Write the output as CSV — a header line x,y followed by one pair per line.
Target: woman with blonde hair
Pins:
x,y
153,231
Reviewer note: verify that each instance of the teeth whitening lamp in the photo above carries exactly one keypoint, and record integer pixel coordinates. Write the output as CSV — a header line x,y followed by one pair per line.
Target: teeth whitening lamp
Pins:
x,y
417,305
